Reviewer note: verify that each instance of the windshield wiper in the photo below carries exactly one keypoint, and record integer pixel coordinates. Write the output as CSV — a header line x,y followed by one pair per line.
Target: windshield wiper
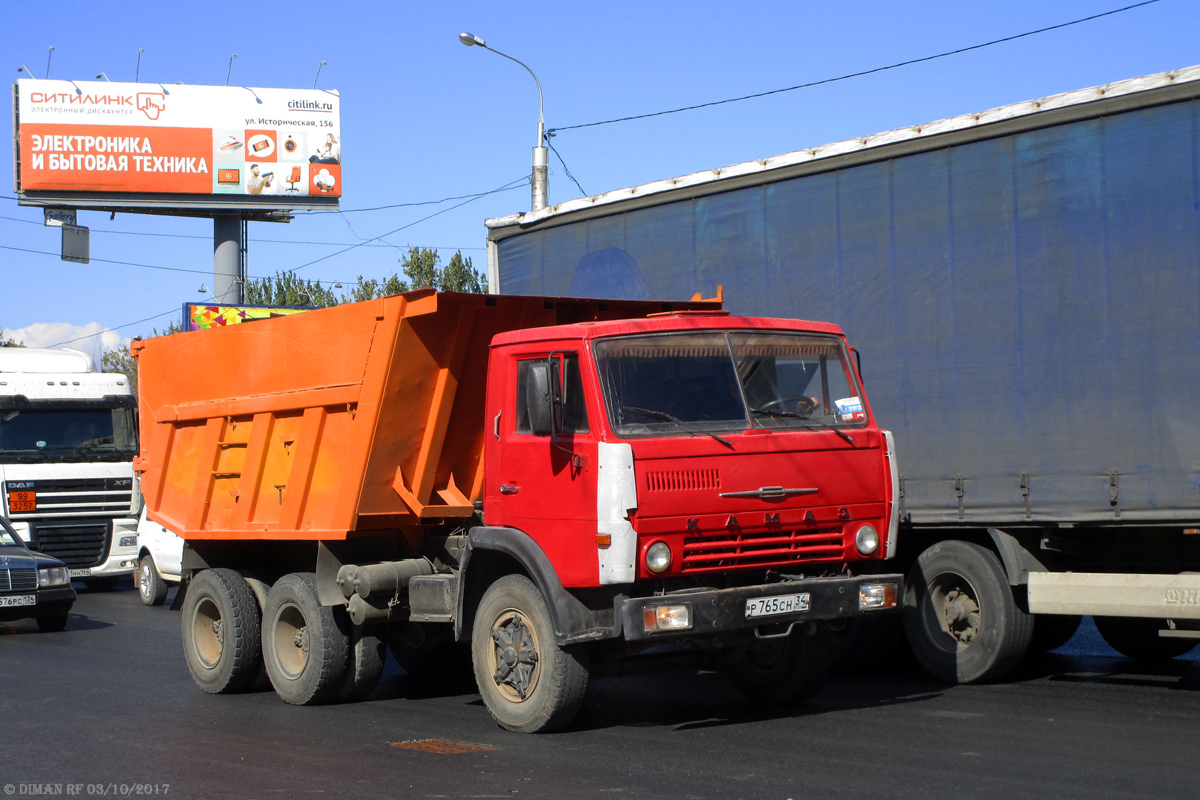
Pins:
x,y
663,416
807,421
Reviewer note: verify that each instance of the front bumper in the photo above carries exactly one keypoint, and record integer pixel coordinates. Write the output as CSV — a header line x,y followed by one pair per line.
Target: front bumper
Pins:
x,y
715,611
51,600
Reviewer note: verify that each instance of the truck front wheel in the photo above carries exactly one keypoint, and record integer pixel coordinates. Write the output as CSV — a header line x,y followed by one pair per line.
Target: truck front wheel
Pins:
x,y
961,619
528,682
221,631
304,648
1138,638
784,670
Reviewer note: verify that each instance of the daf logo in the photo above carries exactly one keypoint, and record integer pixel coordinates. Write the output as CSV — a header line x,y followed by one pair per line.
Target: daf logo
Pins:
x,y
21,485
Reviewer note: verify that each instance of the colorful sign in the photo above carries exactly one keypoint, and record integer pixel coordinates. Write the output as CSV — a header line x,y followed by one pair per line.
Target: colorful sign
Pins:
x,y
198,316
101,138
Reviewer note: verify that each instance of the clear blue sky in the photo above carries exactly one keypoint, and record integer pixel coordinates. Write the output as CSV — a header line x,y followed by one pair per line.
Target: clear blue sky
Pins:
x,y
425,118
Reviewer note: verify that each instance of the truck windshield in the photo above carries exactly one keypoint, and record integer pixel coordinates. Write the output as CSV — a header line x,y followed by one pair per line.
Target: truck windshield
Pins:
x,y
684,383
61,434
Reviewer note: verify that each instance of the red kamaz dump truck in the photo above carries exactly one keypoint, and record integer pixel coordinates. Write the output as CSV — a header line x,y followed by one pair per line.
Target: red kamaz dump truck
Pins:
x,y
562,483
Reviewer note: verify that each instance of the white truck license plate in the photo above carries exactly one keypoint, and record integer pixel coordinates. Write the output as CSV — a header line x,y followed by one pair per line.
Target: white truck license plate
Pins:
x,y
80,573
776,604
18,600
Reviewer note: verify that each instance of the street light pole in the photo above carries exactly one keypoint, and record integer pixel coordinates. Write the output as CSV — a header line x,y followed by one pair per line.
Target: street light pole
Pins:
x,y
541,177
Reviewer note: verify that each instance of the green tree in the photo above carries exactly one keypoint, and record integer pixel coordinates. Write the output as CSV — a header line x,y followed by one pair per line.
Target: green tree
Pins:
x,y
370,288
8,341
460,276
119,360
421,267
288,289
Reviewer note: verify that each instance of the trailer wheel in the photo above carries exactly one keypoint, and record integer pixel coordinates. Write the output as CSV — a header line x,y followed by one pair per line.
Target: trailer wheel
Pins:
x,y
364,663
1052,631
304,648
784,670
1138,638
221,631
528,682
151,586
962,622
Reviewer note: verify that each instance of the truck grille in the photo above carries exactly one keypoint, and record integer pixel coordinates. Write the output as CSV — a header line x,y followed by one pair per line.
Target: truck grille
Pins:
x,y
679,480
709,553
18,580
76,497
82,544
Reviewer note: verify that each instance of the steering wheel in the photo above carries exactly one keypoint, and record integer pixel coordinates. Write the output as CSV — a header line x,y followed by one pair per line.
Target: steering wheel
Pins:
x,y
803,404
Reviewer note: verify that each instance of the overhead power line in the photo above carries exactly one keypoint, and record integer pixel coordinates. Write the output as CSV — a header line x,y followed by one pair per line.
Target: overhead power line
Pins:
x,y
253,239
552,131
471,199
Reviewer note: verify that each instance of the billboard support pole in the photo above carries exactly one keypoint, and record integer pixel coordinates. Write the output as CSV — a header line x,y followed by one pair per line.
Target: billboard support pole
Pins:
x,y
227,258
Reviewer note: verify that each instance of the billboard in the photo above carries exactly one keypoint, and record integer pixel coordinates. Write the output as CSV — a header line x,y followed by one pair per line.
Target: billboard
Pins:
x,y
202,316
226,146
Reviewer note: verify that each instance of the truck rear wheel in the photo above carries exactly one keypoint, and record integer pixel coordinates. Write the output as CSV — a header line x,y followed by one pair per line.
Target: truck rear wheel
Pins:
x,y
1138,638
221,631
528,682
961,619
364,664
304,648
151,586
784,670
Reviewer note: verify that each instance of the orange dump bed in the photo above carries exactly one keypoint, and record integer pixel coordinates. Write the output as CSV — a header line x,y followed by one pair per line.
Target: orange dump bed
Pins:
x,y
365,416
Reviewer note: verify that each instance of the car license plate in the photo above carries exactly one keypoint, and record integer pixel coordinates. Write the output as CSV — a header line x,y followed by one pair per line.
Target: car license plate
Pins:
x,y
80,573
776,604
18,600
19,502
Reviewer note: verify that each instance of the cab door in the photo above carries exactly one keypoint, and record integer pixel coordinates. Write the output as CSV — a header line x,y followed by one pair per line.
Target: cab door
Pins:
x,y
547,484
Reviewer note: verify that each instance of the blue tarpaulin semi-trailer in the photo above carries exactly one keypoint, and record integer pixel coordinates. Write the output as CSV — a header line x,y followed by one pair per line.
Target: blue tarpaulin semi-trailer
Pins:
x,y
1023,285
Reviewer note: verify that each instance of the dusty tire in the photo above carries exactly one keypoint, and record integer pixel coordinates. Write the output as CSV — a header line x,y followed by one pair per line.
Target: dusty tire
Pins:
x,y
960,617
151,587
304,648
221,631
787,670
364,664
1138,638
1052,631
527,681
52,623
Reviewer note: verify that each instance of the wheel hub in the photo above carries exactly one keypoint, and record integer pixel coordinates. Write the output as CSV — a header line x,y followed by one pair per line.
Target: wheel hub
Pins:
x,y
218,631
960,616
516,655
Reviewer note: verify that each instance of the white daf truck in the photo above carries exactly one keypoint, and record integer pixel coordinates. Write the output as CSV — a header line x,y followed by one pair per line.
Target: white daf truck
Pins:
x,y
68,435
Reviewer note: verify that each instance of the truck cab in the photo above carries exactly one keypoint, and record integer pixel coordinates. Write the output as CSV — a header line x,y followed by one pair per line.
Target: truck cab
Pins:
x,y
686,445
68,436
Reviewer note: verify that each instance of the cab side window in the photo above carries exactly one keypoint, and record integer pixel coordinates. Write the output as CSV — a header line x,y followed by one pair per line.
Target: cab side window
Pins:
x,y
574,408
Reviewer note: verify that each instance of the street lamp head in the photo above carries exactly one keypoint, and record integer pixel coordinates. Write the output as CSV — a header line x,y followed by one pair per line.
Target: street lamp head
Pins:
x,y
470,39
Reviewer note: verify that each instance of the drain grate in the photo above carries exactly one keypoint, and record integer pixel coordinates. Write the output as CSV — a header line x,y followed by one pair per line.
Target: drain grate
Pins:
x,y
442,747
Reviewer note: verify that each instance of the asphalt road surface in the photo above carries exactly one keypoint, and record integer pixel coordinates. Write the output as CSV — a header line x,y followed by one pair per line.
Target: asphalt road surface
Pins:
x,y
107,708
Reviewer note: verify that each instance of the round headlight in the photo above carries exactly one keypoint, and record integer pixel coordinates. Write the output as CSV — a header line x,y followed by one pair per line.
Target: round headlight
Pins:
x,y
867,540
658,557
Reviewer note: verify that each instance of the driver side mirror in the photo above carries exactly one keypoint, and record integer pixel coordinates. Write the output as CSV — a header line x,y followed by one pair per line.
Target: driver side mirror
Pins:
x,y
543,398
